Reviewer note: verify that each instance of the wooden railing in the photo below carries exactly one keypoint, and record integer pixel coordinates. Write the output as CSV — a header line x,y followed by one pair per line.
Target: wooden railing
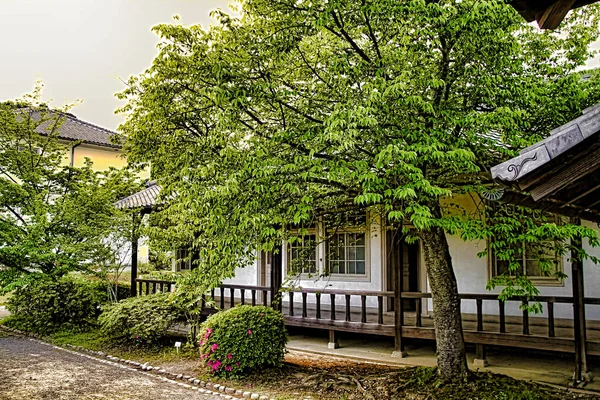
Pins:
x,y
151,286
340,311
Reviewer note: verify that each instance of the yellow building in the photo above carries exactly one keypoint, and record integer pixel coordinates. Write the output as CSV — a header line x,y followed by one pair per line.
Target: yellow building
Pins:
x,y
86,140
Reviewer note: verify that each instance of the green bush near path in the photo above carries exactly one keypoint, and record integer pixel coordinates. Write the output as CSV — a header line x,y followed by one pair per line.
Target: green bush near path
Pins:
x,y
46,305
142,319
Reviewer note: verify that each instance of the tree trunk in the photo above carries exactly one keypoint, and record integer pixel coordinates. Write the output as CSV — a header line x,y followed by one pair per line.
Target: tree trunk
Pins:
x,y
451,357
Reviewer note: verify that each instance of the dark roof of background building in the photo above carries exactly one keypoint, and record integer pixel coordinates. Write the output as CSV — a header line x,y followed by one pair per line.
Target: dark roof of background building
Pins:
x,y
143,199
74,129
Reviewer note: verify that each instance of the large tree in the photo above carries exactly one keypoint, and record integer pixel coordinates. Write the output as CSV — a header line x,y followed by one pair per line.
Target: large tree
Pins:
x,y
54,218
300,110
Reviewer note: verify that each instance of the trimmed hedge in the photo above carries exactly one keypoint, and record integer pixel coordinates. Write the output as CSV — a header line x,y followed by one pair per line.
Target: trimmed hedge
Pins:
x,y
142,319
45,305
241,339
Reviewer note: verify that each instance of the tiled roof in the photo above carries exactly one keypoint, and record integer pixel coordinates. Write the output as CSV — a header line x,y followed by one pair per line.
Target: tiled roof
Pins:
x,y
143,199
558,142
73,129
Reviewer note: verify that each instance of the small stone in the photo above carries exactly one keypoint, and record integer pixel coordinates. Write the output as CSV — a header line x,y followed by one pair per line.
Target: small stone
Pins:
x,y
186,377
239,392
179,376
228,397
196,381
254,396
202,383
190,379
263,398
222,389
246,395
229,390
209,385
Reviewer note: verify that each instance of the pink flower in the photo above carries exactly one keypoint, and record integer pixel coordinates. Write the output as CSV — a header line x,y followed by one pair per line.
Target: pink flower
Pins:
x,y
237,364
216,365
262,314
229,356
228,368
200,342
208,332
249,332
214,347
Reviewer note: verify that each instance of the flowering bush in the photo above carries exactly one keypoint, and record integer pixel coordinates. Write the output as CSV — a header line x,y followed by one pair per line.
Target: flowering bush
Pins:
x,y
235,341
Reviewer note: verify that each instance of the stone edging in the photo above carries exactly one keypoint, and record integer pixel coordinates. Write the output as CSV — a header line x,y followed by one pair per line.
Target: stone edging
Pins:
x,y
179,379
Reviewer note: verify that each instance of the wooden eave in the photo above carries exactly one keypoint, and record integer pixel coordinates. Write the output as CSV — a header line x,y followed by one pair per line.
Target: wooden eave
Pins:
x,y
560,174
548,13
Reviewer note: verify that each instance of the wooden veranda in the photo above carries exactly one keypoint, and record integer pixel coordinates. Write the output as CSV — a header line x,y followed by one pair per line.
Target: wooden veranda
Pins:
x,y
306,308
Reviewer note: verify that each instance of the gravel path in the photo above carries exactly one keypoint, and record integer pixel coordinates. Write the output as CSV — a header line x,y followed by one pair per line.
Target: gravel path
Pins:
x,y
30,370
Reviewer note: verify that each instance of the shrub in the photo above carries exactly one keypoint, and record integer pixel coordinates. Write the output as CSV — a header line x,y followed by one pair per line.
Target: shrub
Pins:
x,y
243,338
142,319
45,305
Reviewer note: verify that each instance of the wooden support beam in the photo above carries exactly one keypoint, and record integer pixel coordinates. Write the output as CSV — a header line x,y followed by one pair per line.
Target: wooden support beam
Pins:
x,y
551,17
397,258
134,253
333,340
579,331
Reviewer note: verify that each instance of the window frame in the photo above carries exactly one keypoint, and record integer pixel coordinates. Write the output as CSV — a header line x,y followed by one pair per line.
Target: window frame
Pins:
x,y
538,280
288,251
320,232
179,261
345,276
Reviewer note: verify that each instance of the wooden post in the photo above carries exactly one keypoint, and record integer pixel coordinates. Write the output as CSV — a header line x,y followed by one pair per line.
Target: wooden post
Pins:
x,y
480,360
333,340
397,260
276,280
581,368
134,254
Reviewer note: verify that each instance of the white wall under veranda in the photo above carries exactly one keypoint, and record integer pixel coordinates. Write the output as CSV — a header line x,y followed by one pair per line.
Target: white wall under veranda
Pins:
x,y
472,274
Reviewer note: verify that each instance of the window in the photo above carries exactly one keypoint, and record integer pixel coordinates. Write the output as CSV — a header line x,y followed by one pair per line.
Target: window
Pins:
x,y
182,260
302,255
346,254
531,259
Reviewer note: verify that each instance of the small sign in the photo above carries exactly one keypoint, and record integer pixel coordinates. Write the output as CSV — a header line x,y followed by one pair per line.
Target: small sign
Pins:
x,y
177,346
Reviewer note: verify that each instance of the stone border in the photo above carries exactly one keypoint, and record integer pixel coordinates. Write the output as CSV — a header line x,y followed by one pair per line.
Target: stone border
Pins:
x,y
178,379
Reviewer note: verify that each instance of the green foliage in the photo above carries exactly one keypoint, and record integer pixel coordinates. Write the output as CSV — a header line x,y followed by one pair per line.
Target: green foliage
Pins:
x,y
142,319
54,218
275,119
292,113
242,339
45,305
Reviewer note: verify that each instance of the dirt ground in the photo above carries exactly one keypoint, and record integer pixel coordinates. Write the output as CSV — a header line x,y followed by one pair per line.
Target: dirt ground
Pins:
x,y
30,370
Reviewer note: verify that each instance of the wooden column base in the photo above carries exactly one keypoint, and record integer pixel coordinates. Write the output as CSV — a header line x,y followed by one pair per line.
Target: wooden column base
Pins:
x,y
333,341
480,360
399,353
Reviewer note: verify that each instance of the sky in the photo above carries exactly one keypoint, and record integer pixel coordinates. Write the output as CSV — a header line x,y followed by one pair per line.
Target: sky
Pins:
x,y
84,49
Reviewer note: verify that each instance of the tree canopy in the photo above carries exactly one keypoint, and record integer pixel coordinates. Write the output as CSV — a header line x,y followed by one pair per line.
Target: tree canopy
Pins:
x,y
54,218
297,111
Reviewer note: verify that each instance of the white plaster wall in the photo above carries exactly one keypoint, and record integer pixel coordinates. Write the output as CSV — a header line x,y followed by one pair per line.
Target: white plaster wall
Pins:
x,y
472,275
247,275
